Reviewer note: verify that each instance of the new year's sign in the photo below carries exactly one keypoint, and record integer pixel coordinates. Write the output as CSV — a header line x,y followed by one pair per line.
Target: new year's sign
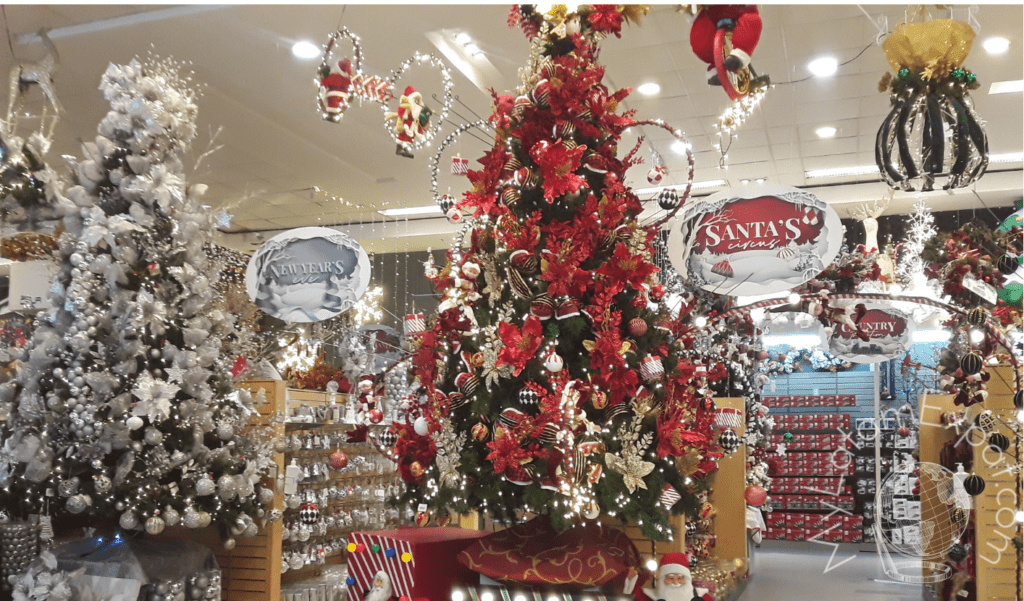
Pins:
x,y
888,333
755,240
307,274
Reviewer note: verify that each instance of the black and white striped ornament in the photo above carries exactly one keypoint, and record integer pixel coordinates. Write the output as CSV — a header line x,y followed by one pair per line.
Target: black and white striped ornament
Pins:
x,y
998,442
971,363
974,485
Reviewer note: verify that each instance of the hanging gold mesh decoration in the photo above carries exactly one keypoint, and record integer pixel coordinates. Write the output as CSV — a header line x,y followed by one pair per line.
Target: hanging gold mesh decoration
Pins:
x,y
932,130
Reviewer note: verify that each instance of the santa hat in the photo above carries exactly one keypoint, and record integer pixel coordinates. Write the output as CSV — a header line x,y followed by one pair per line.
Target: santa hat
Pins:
x,y
674,563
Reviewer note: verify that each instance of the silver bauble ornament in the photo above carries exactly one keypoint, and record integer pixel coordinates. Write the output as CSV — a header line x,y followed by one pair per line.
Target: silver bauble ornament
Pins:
x,y
76,504
226,487
205,519
251,530
225,431
171,516
205,486
128,520
266,496
134,422
102,484
155,525
120,506
229,544
153,436
191,519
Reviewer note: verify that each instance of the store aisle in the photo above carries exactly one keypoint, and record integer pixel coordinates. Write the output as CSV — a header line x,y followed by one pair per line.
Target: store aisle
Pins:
x,y
799,574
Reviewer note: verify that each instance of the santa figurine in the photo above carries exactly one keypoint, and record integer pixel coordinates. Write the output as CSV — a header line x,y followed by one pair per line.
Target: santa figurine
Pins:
x,y
381,588
745,23
336,90
673,582
410,121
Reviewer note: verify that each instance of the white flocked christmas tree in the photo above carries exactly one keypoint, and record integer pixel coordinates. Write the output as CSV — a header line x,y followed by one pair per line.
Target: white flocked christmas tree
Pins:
x,y
123,411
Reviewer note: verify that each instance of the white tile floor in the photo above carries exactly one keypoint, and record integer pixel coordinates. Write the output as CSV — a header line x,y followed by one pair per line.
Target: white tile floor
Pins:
x,y
800,572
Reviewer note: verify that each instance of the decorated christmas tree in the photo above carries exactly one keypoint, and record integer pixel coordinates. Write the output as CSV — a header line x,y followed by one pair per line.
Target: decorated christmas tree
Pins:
x,y
123,411
551,382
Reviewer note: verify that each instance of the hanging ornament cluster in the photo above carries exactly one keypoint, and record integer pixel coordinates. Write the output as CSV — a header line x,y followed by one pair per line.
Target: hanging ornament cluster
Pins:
x,y
932,129
409,124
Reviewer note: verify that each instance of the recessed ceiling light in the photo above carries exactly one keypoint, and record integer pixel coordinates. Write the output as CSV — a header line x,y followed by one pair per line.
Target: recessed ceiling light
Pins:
x,y
826,131
759,180
1006,87
304,49
823,67
744,181
996,45
679,147
472,49
648,89
463,38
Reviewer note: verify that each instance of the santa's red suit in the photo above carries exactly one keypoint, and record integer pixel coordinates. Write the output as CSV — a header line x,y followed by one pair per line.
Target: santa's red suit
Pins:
x,y
745,34
674,582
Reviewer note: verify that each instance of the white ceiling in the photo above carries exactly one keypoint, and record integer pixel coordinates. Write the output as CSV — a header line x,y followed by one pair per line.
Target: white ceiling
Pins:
x,y
276,147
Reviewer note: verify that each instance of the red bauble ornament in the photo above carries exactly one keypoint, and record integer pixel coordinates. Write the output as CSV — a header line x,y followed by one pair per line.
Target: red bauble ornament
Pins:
x,y
755,495
422,518
599,399
903,432
637,327
480,432
416,469
338,460
376,416
762,355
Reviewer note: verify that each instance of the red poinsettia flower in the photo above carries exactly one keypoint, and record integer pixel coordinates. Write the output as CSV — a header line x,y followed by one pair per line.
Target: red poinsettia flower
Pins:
x,y
557,166
520,345
506,452
562,273
624,266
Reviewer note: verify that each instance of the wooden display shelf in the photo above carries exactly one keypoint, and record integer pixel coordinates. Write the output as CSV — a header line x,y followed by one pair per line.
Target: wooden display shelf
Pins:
x,y
997,561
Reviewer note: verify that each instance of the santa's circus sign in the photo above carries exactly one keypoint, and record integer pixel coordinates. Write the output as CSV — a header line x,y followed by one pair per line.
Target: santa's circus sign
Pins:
x,y
888,333
755,240
307,274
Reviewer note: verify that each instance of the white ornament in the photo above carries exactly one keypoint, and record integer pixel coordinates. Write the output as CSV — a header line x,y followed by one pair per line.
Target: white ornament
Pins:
x,y
553,363
229,544
134,422
171,516
421,426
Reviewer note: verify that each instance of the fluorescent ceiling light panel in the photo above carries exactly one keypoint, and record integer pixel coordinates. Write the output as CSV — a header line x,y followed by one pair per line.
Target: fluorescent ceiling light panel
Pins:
x,y
800,341
711,183
841,171
679,147
1006,87
1006,157
930,336
407,211
826,131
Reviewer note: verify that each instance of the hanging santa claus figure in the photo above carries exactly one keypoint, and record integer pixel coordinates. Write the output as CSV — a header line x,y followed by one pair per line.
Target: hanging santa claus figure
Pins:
x,y
410,121
744,22
672,583
381,588
335,91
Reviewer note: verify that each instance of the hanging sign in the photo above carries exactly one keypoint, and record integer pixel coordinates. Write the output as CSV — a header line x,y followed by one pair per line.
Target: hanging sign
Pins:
x,y
307,274
889,332
755,240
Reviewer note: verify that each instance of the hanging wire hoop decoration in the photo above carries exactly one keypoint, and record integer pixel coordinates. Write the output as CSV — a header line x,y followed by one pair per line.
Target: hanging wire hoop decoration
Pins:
x,y
435,160
336,87
669,196
422,135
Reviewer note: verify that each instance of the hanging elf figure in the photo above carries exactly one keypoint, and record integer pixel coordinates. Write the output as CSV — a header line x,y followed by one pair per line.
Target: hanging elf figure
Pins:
x,y
745,23
410,121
